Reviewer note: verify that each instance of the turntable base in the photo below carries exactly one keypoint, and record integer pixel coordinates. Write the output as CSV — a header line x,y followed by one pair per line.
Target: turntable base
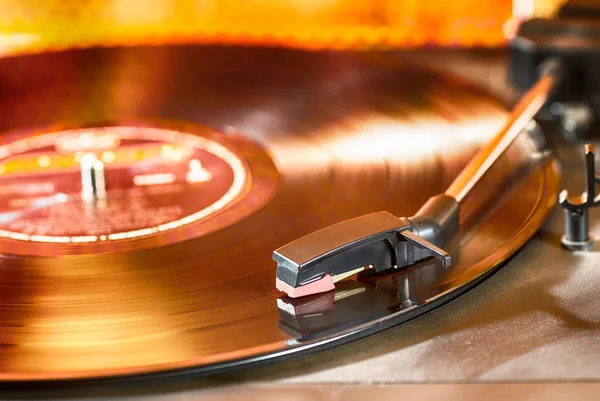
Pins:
x,y
536,319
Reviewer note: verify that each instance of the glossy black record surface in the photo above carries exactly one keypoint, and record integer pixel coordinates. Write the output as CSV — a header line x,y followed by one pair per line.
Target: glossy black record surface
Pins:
x,y
325,136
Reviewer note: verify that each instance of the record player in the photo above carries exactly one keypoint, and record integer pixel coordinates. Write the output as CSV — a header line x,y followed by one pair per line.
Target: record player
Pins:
x,y
190,208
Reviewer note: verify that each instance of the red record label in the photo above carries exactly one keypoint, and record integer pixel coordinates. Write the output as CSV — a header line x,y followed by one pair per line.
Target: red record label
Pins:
x,y
153,180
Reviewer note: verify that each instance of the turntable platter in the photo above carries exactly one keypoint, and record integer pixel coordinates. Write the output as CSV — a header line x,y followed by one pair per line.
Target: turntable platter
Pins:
x,y
162,272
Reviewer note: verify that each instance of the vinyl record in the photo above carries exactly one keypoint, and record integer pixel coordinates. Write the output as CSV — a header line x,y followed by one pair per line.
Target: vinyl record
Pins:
x,y
145,189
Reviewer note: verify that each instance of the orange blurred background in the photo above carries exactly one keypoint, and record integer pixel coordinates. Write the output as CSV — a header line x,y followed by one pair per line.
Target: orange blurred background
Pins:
x,y
36,25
